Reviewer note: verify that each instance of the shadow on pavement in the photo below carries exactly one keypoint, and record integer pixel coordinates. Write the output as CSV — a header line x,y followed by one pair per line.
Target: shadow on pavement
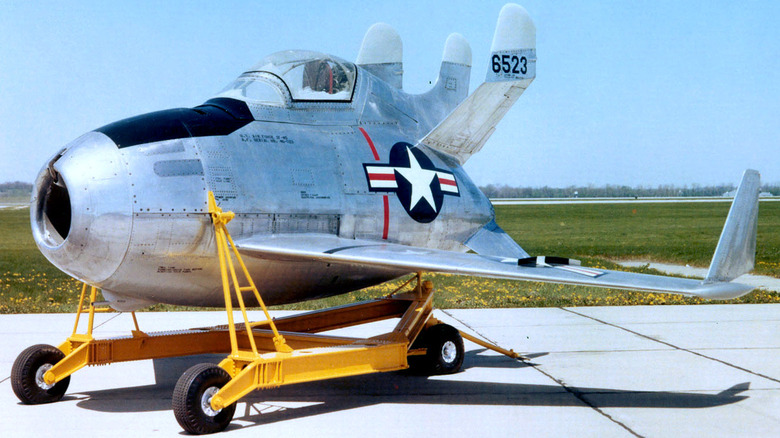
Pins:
x,y
307,399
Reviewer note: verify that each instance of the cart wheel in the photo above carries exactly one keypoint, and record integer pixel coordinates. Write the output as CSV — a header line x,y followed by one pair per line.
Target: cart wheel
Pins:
x,y
444,351
27,375
192,400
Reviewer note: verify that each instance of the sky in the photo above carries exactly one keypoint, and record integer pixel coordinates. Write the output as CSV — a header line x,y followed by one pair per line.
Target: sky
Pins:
x,y
642,93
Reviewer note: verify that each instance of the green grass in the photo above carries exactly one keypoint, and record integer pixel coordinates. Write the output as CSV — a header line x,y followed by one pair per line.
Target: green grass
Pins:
x,y
28,282
684,233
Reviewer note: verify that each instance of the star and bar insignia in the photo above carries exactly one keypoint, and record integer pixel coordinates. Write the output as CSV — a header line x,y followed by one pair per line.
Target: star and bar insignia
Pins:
x,y
419,185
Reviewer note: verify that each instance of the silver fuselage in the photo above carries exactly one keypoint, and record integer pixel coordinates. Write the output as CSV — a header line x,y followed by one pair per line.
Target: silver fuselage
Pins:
x,y
132,218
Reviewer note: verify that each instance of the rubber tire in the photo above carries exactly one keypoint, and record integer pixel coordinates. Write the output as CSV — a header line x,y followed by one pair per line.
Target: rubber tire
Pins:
x,y
187,400
24,370
433,340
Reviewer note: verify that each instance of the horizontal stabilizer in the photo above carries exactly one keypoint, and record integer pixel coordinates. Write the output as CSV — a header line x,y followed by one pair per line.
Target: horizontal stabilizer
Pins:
x,y
736,251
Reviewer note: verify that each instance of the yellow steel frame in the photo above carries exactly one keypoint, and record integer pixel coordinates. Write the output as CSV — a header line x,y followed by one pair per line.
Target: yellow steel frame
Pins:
x,y
256,369
220,220
271,352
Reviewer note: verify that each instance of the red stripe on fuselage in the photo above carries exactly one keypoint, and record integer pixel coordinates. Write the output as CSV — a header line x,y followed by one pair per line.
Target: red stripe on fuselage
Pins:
x,y
381,177
386,226
449,182
370,143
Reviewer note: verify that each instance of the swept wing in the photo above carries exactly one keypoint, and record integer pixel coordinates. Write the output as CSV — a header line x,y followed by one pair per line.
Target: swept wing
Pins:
x,y
366,253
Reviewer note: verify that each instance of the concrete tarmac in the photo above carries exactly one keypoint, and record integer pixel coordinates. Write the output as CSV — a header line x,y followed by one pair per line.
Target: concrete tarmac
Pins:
x,y
651,371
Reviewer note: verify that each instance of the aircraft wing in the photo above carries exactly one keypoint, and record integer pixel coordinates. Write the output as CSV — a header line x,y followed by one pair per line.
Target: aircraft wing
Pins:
x,y
367,253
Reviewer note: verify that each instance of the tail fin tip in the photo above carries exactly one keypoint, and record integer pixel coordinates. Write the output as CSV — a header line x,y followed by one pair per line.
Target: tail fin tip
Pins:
x,y
381,45
514,30
381,53
513,52
457,50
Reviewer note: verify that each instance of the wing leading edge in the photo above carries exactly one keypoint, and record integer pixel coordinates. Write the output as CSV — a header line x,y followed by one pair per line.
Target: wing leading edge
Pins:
x,y
366,253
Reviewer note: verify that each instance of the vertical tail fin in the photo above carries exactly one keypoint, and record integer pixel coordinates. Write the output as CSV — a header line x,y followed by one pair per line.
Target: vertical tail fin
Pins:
x,y
512,69
452,85
736,251
381,54
455,71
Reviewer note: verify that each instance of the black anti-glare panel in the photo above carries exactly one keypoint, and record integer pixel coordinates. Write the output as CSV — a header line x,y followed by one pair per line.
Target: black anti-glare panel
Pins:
x,y
219,116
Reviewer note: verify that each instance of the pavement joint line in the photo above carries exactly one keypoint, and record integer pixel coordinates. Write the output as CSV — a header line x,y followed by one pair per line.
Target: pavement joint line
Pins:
x,y
576,393
579,395
674,346
470,327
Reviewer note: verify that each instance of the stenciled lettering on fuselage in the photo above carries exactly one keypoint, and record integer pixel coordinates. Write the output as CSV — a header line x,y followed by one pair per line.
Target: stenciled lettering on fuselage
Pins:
x,y
419,185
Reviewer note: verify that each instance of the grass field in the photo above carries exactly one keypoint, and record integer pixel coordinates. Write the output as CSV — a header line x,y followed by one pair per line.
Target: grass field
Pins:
x,y
684,233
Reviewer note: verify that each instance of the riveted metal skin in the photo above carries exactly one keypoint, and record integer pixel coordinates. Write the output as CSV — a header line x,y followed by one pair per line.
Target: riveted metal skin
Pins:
x,y
140,230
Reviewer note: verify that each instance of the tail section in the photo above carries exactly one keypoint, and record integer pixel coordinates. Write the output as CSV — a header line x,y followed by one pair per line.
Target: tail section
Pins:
x,y
736,251
512,69
381,54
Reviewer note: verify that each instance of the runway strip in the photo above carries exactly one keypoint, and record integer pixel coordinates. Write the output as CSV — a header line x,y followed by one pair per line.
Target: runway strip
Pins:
x,y
14,207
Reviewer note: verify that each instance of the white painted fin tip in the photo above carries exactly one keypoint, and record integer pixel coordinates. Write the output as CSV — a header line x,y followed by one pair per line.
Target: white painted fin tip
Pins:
x,y
457,50
381,45
514,30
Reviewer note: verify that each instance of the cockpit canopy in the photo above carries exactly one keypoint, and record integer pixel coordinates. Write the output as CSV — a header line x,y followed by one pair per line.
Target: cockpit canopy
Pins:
x,y
296,75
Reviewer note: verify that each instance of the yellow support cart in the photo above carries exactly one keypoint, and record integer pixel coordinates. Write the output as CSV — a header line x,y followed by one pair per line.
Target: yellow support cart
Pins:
x,y
260,354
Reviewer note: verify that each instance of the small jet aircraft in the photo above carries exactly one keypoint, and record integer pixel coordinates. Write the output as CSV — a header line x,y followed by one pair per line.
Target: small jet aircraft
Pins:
x,y
338,179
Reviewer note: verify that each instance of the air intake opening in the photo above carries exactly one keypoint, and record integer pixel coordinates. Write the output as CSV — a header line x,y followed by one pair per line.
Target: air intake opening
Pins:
x,y
56,208
52,214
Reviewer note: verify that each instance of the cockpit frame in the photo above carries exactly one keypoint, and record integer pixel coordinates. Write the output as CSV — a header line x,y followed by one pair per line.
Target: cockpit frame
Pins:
x,y
295,76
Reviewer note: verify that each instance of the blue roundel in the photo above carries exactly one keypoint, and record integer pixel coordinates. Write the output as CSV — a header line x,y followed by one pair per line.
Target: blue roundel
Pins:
x,y
419,185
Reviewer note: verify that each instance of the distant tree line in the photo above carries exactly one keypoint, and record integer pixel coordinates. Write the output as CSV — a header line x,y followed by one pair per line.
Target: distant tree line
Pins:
x,y
16,189
612,191
20,189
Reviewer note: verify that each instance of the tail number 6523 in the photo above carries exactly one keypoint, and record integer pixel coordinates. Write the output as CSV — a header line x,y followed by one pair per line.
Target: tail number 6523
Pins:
x,y
510,64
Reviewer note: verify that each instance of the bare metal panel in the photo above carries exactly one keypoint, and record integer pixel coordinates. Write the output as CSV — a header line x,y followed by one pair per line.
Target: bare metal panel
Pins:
x,y
178,167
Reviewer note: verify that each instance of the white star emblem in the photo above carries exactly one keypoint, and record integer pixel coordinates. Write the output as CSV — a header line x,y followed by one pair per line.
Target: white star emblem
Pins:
x,y
420,179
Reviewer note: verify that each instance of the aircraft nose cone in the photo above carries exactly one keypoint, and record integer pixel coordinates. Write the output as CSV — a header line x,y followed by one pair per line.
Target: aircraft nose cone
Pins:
x,y
81,210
